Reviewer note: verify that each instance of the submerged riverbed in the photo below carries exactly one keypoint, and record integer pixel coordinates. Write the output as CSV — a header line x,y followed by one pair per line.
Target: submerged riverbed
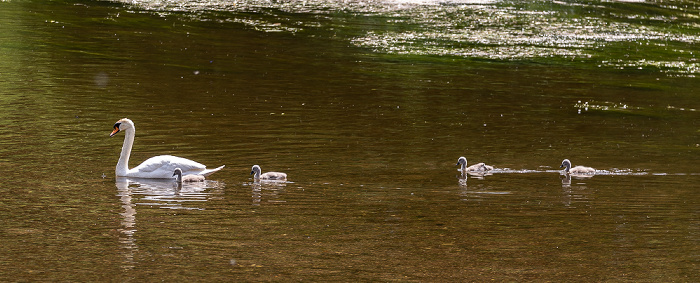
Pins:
x,y
366,105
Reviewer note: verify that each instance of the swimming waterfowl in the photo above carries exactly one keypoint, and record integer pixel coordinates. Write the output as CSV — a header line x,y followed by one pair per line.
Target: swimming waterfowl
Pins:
x,y
479,167
578,170
186,178
267,176
158,167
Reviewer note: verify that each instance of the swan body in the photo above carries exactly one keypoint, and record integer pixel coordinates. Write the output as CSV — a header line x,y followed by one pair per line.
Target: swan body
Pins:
x,y
267,176
157,167
186,178
479,167
578,170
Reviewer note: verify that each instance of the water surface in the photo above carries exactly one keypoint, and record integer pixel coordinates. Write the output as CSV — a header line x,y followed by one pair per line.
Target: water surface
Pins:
x,y
367,106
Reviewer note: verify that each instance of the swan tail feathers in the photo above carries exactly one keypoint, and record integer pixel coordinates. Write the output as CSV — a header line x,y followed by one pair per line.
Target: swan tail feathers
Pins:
x,y
208,172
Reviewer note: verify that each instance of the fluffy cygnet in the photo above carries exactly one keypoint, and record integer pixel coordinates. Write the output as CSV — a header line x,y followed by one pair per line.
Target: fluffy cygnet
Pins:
x,y
267,176
187,178
479,167
576,170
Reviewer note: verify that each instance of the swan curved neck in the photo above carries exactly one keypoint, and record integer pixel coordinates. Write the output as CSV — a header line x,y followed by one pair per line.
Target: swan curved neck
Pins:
x,y
123,164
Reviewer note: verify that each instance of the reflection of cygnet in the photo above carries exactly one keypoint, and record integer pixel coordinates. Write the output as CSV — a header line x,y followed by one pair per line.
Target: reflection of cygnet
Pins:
x,y
267,176
565,180
187,178
479,167
578,170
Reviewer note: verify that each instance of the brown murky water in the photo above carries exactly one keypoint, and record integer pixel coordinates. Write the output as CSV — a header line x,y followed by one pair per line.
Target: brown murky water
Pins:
x,y
367,109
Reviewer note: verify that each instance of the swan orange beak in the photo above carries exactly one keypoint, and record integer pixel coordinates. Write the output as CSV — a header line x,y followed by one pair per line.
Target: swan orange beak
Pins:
x,y
116,130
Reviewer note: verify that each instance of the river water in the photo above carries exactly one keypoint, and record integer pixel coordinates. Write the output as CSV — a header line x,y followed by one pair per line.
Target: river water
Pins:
x,y
367,105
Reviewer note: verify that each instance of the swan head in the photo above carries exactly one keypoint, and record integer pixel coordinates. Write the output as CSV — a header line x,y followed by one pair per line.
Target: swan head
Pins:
x,y
256,171
122,125
566,163
462,161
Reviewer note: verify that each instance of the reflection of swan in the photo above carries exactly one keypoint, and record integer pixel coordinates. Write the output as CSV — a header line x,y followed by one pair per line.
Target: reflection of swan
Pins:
x,y
479,167
165,193
267,176
133,192
578,170
128,225
187,178
158,167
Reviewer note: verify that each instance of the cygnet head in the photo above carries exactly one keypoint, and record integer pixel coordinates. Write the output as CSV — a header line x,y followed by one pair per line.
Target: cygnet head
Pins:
x,y
462,160
178,174
566,163
122,125
256,171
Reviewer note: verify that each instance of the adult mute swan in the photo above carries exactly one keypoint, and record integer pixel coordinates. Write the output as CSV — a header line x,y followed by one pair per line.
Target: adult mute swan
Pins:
x,y
267,176
157,167
578,170
186,178
479,167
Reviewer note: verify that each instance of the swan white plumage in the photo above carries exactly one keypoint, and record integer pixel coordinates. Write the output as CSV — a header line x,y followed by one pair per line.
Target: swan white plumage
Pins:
x,y
186,178
267,176
157,167
479,167
578,170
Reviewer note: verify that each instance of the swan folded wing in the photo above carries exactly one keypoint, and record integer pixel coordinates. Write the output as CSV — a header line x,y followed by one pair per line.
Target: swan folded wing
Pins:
x,y
163,166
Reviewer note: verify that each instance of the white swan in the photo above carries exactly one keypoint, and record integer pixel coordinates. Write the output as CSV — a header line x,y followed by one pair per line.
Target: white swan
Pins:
x,y
158,167
479,167
578,170
187,178
267,176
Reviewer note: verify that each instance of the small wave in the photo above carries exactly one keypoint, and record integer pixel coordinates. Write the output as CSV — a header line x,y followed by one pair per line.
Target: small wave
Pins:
x,y
520,171
586,106
623,172
612,172
488,192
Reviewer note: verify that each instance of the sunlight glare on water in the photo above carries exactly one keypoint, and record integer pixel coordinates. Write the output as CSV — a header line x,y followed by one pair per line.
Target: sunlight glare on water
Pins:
x,y
498,30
